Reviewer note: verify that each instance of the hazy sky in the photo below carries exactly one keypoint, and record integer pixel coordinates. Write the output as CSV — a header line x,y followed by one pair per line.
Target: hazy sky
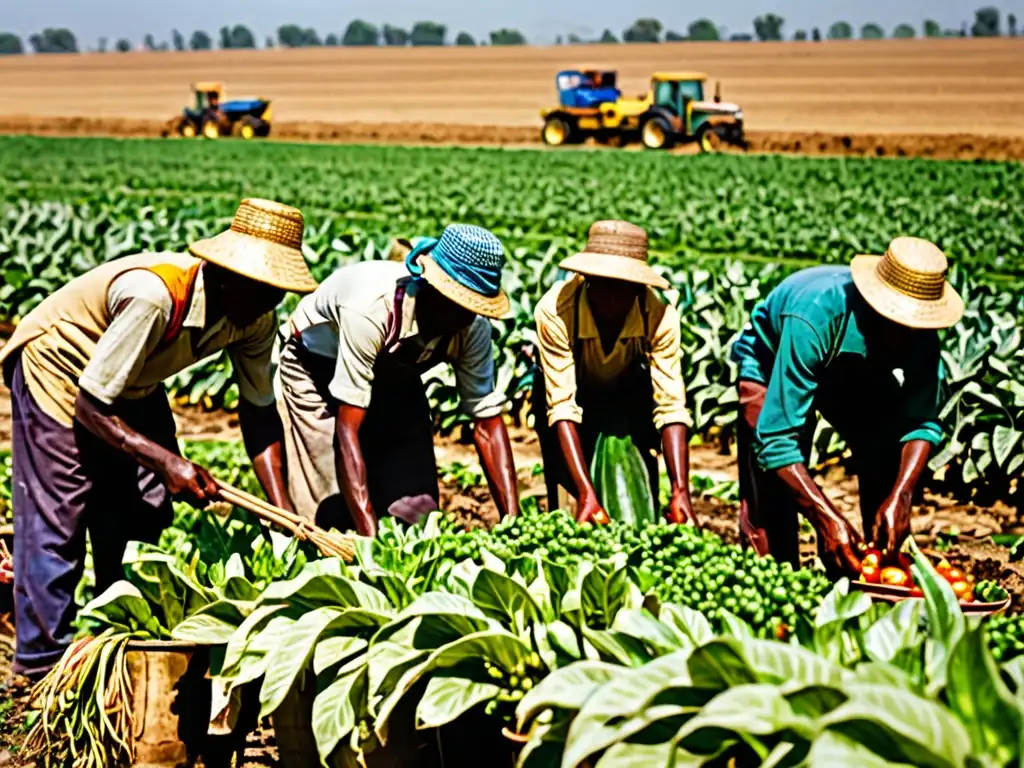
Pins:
x,y
540,20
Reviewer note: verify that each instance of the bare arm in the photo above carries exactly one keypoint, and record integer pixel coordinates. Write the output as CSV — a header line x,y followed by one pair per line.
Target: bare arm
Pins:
x,y
263,436
495,451
183,479
837,538
572,450
352,469
677,462
892,519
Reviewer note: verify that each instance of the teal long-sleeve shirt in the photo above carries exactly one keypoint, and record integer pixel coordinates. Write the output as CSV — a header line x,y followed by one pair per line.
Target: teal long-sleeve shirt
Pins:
x,y
805,344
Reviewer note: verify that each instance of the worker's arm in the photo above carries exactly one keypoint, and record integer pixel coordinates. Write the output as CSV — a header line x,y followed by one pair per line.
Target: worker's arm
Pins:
x,y
676,446
263,436
352,469
184,480
588,504
495,451
892,520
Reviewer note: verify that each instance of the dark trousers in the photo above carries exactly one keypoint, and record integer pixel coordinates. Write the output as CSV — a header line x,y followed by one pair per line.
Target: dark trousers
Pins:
x,y
66,482
769,518
623,408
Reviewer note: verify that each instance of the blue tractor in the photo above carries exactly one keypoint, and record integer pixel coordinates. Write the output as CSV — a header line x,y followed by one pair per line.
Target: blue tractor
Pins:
x,y
212,117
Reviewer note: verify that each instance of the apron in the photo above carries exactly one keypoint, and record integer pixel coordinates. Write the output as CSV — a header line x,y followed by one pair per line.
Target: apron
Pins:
x,y
396,438
622,407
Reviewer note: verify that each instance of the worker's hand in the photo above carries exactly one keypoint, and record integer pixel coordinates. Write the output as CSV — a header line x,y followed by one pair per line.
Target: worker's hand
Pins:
x,y
680,509
589,510
6,564
892,524
189,482
839,545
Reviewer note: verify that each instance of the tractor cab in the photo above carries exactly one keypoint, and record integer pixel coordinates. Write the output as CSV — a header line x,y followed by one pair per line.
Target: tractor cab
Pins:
x,y
208,97
587,88
674,90
679,112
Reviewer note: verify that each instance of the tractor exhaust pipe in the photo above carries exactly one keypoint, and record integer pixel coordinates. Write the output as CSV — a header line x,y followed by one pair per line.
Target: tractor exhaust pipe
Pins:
x,y
718,91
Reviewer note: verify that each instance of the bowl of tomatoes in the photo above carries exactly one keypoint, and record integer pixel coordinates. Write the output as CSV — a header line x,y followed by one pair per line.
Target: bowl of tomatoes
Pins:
x,y
890,579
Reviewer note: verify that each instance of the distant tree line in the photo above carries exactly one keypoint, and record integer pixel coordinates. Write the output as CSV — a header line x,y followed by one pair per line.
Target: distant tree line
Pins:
x,y
768,27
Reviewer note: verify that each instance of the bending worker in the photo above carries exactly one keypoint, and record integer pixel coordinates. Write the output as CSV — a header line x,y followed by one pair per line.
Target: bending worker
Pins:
x,y
94,444
610,363
859,345
358,431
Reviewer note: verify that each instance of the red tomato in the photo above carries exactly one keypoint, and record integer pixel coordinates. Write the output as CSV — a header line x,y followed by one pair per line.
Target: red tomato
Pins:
x,y
943,567
870,574
872,557
895,577
963,591
781,632
954,575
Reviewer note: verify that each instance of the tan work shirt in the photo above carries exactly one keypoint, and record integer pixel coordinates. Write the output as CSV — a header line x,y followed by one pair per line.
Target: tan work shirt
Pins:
x,y
348,319
104,332
556,341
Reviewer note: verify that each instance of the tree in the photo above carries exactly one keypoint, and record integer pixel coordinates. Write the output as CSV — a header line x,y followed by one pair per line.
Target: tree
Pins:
x,y
643,31
1011,22
150,43
986,23
816,35
800,35
200,41
10,45
428,33
609,37
872,32
904,32
236,38
703,29
294,36
54,40
507,37
332,40
768,27
395,36
841,30
123,46
932,28
673,37
360,33
465,39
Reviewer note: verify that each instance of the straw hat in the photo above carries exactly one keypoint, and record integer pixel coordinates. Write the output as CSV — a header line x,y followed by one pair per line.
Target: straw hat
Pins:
x,y
263,244
616,249
908,284
464,265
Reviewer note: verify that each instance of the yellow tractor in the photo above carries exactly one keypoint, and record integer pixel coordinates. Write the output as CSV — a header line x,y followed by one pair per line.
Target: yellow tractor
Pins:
x,y
674,111
212,117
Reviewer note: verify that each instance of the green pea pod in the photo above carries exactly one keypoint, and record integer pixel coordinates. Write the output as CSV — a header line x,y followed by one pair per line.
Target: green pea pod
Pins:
x,y
621,481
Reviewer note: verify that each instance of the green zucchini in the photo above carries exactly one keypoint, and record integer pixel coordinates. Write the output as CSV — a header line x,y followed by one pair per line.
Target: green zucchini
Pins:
x,y
621,480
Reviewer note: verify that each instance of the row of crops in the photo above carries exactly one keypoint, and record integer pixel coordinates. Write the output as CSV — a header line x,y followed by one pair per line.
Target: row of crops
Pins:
x,y
725,229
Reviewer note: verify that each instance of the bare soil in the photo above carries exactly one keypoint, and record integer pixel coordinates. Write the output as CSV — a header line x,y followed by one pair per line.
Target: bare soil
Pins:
x,y
938,98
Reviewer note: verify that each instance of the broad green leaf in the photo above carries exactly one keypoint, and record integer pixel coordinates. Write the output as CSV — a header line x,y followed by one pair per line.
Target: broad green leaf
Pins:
x,y
292,655
213,624
659,636
618,647
1004,440
688,622
567,688
946,624
448,696
718,665
832,749
978,696
337,710
504,599
788,665
894,632
334,651
628,754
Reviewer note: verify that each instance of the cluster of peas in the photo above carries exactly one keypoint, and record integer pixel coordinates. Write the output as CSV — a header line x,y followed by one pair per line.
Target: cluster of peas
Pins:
x,y
687,566
1006,637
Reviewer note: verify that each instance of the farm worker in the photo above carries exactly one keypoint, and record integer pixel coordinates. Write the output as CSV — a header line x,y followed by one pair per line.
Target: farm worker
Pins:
x,y
358,431
94,445
859,345
610,362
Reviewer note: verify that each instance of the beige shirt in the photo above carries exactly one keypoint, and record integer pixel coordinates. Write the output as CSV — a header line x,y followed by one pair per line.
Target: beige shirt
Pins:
x,y
556,341
102,332
347,319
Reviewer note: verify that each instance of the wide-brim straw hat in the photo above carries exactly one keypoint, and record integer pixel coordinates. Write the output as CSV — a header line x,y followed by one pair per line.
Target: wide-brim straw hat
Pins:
x,y
908,284
617,250
465,266
264,244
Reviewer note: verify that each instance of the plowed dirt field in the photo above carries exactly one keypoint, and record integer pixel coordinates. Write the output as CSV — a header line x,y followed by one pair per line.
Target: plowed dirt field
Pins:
x,y
949,98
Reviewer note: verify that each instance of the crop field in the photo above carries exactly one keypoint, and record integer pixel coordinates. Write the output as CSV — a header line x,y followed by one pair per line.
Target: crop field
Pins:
x,y
967,91
650,645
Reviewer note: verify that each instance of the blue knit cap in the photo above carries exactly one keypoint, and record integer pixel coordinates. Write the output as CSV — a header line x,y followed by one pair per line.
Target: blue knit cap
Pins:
x,y
472,256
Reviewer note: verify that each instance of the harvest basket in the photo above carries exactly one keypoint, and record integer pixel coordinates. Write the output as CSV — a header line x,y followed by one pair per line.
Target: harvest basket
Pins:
x,y
156,669
890,594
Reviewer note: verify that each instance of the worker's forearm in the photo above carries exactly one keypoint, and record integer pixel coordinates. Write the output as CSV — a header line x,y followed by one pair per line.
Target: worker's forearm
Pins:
x,y
677,456
495,451
575,461
913,461
352,481
810,499
263,435
95,416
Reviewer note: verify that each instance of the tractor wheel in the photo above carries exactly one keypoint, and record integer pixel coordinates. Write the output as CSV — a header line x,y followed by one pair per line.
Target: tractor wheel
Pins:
x,y
247,127
557,131
657,133
211,129
709,140
187,130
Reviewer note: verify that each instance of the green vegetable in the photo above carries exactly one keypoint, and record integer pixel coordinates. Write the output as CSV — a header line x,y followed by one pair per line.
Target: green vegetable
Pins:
x,y
621,480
